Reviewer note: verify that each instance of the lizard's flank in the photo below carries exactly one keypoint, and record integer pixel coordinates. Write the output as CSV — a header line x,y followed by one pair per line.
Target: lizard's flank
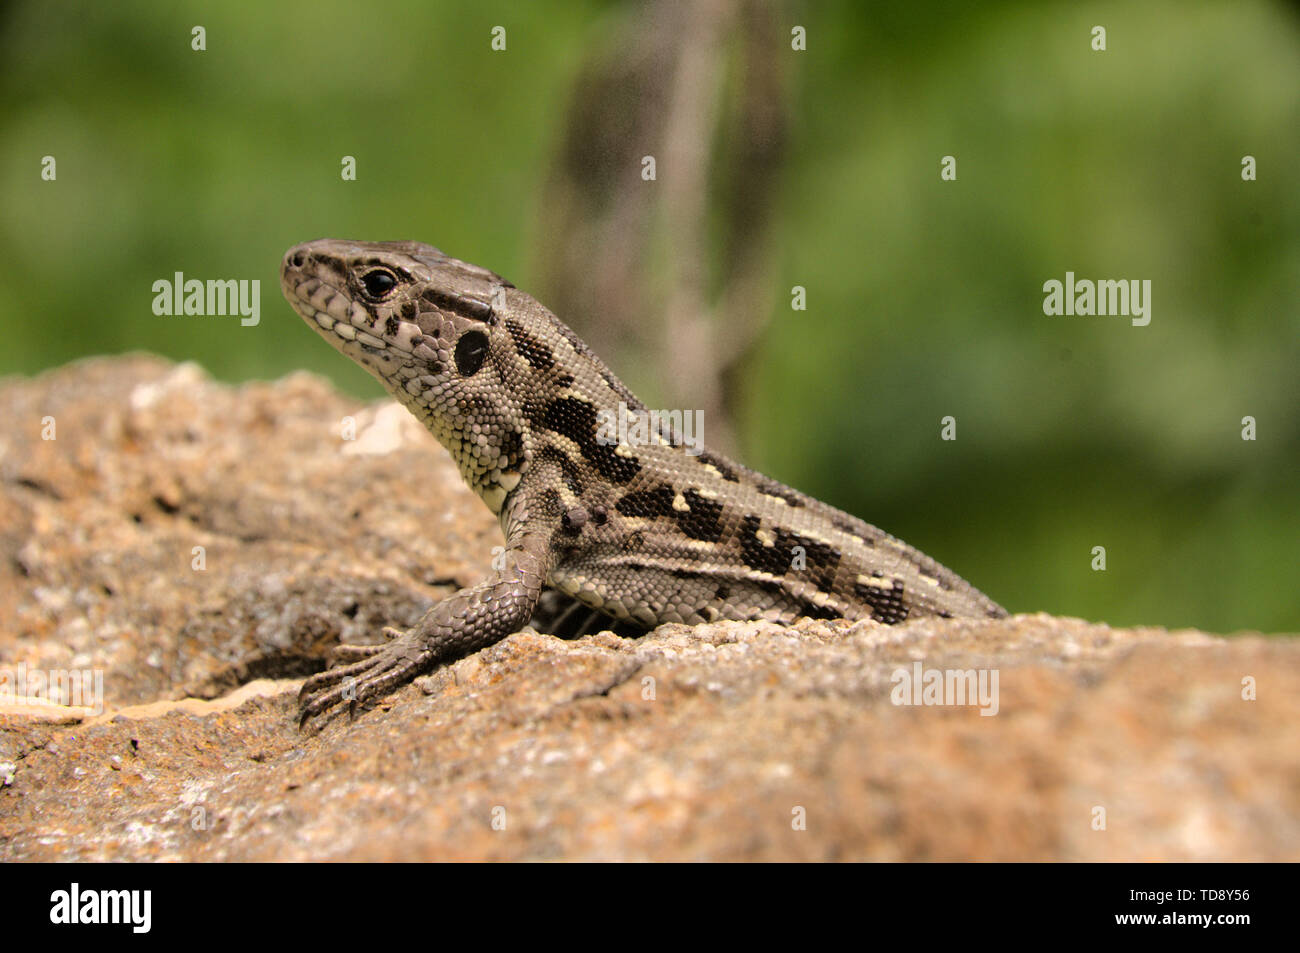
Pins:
x,y
646,533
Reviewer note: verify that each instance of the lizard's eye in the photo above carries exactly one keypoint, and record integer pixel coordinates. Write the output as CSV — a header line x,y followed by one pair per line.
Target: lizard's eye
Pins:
x,y
378,283
471,349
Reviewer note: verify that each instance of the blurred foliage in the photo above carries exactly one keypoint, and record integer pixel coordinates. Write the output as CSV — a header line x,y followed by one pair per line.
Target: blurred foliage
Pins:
x,y
924,296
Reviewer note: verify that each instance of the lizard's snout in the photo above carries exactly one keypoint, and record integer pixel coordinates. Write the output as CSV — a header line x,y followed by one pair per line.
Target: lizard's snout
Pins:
x,y
294,259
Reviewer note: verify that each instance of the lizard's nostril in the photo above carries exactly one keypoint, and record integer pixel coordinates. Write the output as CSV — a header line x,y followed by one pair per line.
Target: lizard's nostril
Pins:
x,y
296,260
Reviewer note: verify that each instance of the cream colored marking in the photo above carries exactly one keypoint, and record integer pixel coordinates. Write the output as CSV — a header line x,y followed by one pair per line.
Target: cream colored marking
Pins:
x,y
880,582
765,537
680,505
566,443
509,480
818,539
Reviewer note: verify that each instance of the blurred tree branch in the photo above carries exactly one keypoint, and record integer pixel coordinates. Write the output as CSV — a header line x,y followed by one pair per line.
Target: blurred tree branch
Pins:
x,y
681,267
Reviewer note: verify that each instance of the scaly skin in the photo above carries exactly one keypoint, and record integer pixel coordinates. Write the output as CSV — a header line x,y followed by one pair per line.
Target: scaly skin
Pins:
x,y
645,533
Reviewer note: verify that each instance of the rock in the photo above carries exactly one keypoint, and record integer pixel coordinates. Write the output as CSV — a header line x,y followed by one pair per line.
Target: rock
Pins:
x,y
733,741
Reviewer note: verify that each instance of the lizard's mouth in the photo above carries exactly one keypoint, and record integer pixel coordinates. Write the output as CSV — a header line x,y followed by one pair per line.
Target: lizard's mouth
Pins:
x,y
316,300
344,323
331,311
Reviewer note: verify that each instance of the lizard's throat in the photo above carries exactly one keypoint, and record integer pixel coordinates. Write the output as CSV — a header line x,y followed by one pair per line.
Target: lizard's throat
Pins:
x,y
492,482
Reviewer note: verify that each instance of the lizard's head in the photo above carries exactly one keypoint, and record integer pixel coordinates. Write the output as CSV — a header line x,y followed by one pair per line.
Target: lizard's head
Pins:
x,y
427,327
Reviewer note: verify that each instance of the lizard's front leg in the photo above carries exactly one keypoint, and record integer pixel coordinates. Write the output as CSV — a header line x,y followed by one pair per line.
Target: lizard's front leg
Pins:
x,y
458,625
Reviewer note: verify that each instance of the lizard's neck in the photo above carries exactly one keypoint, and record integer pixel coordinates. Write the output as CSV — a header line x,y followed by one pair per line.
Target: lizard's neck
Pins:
x,y
492,486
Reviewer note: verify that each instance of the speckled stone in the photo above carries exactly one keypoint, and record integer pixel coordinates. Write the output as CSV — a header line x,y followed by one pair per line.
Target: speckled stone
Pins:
x,y
728,741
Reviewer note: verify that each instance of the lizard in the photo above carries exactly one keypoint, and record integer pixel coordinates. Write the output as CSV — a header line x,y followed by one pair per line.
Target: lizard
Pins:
x,y
644,532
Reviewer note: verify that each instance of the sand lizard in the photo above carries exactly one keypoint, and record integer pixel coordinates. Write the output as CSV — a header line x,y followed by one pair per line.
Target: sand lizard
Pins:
x,y
646,532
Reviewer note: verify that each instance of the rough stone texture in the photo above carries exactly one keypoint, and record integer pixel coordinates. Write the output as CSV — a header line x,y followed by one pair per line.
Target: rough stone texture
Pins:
x,y
692,744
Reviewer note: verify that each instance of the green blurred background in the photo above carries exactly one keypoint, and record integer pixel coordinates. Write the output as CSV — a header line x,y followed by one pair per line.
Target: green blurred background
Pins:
x,y
924,296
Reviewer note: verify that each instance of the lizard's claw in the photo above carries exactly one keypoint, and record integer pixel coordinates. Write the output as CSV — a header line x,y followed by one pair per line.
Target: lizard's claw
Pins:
x,y
372,671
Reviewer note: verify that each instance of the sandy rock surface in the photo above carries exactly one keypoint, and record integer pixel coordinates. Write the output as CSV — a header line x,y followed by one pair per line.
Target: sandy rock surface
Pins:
x,y
199,547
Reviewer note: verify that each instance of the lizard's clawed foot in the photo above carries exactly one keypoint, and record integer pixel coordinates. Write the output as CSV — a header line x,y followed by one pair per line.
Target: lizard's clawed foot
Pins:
x,y
368,672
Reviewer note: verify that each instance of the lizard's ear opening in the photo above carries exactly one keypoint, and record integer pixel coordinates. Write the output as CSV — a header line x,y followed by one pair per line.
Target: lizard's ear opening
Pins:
x,y
471,350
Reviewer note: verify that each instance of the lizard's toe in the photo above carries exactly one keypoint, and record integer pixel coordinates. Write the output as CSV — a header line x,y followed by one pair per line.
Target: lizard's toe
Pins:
x,y
331,676
375,674
341,654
